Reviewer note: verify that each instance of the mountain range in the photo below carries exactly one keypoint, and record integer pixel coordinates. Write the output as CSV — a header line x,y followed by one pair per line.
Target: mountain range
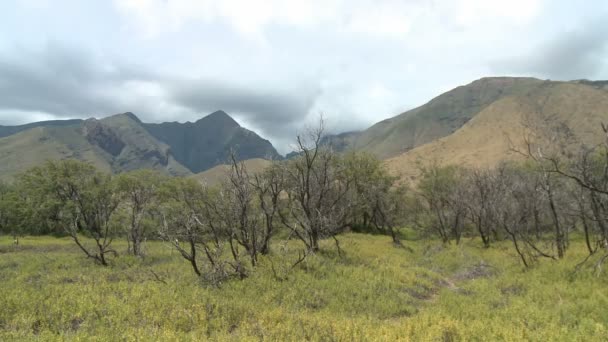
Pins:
x,y
477,124
122,142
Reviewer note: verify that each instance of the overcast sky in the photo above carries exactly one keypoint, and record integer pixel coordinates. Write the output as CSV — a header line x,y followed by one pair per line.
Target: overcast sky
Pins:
x,y
275,65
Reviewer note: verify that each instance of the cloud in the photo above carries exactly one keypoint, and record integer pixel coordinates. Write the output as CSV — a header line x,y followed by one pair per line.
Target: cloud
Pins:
x,y
272,109
382,18
62,81
251,17
578,53
472,13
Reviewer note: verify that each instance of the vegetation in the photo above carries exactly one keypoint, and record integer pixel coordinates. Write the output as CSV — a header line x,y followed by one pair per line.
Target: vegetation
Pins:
x,y
271,255
372,292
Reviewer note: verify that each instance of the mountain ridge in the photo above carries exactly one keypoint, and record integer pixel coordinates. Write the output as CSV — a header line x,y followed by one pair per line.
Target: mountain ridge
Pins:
x,y
122,142
208,141
437,118
491,135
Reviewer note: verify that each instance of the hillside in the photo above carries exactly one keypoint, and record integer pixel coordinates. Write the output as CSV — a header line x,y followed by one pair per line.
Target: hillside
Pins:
x,y
219,173
32,147
207,142
123,142
5,131
114,144
140,150
488,137
438,118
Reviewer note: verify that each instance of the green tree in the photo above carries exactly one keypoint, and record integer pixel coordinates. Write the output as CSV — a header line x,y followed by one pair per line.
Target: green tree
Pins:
x,y
441,191
82,199
11,212
139,194
378,202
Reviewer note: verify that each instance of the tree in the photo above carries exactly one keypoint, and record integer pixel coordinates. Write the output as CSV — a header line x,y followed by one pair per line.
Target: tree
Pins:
x,y
12,212
512,211
193,223
247,205
316,188
376,201
82,199
139,193
269,187
481,193
521,212
549,144
441,191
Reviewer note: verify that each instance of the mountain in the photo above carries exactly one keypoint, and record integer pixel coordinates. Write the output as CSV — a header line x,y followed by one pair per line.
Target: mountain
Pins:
x,y
340,142
114,144
130,146
491,134
438,118
207,142
122,142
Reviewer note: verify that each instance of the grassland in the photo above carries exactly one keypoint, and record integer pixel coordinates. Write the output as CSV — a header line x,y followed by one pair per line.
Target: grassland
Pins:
x,y
426,292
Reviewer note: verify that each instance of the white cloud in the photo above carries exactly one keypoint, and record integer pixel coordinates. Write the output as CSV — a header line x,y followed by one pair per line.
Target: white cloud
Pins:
x,y
389,18
251,17
467,13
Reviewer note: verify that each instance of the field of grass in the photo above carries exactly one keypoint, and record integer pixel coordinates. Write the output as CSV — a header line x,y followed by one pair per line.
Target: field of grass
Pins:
x,y
49,291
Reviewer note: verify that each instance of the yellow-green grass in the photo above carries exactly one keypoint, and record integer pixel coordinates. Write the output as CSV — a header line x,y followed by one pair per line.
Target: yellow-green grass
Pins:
x,y
49,291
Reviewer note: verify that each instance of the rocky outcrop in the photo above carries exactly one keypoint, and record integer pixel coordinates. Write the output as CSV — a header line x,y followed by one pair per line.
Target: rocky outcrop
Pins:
x,y
99,135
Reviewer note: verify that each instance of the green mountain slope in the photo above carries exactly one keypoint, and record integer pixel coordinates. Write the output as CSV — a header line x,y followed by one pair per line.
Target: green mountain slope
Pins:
x,y
114,144
32,147
207,142
5,131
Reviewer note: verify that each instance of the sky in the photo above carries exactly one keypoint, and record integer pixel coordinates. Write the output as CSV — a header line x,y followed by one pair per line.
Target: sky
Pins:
x,y
274,65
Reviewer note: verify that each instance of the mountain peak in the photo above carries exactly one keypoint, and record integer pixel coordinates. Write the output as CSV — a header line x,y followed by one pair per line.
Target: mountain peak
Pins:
x,y
127,115
132,116
220,117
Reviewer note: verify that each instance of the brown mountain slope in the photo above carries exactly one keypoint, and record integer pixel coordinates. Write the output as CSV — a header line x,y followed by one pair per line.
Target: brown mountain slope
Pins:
x,y
487,138
438,118
219,173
